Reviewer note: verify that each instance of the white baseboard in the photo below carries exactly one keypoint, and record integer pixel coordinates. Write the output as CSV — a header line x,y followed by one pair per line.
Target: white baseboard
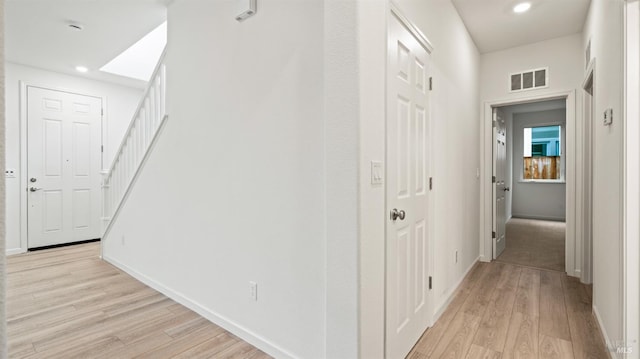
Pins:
x,y
543,218
13,251
451,293
607,341
238,330
576,273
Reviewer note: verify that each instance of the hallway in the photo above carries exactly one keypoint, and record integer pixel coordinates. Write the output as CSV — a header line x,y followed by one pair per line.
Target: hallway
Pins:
x,y
507,311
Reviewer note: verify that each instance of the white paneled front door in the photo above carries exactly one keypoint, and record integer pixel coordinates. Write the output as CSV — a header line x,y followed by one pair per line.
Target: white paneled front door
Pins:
x,y
500,188
63,167
407,190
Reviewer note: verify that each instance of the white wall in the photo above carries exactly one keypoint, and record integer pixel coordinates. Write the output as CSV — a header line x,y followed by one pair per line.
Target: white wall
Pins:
x,y
454,110
3,277
234,190
121,103
562,55
342,106
604,26
535,199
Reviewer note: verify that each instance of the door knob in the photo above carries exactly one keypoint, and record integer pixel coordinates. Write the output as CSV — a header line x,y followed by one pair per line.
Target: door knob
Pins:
x,y
507,189
33,189
395,214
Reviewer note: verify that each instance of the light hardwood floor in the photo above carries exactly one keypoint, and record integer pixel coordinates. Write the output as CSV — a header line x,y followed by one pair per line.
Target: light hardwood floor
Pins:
x,y
506,311
67,303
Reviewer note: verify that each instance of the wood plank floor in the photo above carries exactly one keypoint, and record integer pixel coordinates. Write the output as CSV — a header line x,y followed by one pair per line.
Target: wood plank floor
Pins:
x,y
507,311
67,303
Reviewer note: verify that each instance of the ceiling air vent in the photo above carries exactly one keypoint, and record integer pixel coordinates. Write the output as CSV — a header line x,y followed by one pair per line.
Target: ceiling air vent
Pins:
x,y
529,79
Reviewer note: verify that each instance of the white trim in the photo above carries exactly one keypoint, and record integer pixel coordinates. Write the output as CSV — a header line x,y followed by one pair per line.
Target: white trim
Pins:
x,y
218,319
22,176
422,39
452,292
631,179
14,251
607,341
486,170
584,220
542,218
589,74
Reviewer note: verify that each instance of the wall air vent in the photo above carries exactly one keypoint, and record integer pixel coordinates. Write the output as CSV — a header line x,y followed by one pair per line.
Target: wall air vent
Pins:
x,y
529,80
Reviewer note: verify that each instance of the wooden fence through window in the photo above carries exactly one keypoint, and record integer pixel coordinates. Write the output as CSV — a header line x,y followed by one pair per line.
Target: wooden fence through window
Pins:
x,y
544,167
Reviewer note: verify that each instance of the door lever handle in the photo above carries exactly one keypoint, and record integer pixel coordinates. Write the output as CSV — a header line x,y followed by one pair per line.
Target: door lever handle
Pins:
x,y
33,189
506,189
395,214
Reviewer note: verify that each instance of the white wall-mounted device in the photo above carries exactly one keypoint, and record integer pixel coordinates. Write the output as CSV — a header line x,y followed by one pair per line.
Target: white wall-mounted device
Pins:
x,y
245,9
377,176
608,117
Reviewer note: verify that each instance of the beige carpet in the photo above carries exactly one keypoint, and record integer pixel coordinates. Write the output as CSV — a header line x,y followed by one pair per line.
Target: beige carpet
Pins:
x,y
535,243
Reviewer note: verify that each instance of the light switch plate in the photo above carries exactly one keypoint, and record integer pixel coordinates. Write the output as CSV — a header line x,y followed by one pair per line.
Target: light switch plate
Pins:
x,y
10,173
377,176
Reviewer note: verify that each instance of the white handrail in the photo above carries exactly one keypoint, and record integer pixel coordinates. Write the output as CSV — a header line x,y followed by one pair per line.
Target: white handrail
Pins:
x,y
134,148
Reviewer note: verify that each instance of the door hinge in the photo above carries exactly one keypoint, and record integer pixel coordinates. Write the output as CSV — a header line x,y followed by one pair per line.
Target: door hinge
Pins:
x,y
430,83
493,234
102,148
494,124
102,111
430,282
430,183
493,179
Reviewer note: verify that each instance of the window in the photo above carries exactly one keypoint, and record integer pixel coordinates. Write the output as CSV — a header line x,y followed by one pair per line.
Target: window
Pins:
x,y
542,153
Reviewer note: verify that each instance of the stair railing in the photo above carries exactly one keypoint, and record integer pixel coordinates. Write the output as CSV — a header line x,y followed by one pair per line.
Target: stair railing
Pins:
x,y
143,130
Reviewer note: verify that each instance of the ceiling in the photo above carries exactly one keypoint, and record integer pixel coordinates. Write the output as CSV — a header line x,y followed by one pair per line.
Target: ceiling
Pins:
x,y
494,26
37,33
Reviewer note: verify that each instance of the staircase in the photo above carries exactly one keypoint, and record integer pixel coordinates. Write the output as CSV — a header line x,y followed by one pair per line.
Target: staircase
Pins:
x,y
140,137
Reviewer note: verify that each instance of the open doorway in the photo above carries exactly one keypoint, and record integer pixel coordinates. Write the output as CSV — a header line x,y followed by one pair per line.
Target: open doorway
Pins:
x,y
530,186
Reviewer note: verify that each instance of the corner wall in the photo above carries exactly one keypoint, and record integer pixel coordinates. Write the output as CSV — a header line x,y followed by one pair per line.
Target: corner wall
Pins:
x,y
121,103
3,258
455,64
234,190
632,177
604,26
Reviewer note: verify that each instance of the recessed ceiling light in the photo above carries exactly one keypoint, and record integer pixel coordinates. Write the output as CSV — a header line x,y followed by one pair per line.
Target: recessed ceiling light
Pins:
x,y
522,7
81,69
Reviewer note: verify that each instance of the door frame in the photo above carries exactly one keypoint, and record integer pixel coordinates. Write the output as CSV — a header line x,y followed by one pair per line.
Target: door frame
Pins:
x,y
631,179
584,223
486,170
22,176
394,10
